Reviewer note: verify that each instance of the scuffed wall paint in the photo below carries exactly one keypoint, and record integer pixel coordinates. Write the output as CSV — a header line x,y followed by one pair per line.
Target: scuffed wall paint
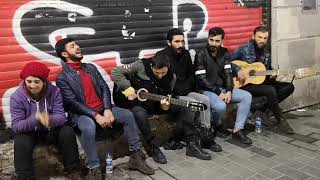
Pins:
x,y
110,32
295,44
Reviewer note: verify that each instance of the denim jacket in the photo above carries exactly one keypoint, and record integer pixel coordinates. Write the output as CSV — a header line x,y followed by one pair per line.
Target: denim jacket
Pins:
x,y
247,54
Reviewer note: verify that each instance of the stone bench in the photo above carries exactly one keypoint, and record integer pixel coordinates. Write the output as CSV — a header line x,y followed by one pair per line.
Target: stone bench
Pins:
x,y
47,161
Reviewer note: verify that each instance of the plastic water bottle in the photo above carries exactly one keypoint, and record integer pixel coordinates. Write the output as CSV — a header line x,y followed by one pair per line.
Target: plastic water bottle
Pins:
x,y
258,124
109,165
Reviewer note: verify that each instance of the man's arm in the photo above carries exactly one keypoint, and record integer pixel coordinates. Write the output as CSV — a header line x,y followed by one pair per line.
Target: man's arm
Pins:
x,y
119,76
201,74
190,70
228,72
237,55
70,100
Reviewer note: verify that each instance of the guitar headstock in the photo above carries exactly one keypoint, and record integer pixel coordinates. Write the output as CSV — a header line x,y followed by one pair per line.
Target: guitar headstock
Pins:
x,y
304,72
197,106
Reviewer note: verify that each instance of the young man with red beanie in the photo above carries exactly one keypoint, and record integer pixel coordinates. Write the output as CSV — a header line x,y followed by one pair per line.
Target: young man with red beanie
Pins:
x,y
87,99
37,115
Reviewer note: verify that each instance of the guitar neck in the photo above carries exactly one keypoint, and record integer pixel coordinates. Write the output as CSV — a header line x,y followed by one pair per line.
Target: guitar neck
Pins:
x,y
156,97
269,73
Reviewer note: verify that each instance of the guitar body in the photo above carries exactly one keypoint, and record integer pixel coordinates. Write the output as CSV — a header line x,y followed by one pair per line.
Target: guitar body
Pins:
x,y
250,69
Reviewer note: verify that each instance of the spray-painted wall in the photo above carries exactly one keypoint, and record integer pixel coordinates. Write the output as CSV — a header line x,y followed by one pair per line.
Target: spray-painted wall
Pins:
x,y
111,32
296,44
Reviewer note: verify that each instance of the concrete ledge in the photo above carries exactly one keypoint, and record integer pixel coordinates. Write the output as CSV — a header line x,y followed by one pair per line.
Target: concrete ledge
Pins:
x,y
47,161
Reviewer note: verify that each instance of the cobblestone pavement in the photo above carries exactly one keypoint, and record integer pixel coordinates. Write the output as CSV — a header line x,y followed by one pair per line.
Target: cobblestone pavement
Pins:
x,y
271,156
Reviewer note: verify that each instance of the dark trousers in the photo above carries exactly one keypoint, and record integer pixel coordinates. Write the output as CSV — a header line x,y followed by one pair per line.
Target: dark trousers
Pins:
x,y
185,123
63,137
141,116
275,91
185,120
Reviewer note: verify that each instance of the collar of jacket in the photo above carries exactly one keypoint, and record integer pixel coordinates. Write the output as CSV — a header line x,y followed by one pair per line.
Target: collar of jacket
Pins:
x,y
69,69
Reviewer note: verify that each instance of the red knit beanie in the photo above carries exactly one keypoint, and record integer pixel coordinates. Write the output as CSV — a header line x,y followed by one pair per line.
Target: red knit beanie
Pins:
x,y
36,69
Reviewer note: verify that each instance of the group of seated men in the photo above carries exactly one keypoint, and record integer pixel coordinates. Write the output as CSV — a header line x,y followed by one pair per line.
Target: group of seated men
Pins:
x,y
38,108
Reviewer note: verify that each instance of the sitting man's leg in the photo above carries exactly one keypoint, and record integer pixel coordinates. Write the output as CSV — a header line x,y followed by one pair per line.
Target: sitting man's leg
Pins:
x,y
205,116
87,127
218,108
284,89
131,131
186,125
67,144
207,134
153,150
23,149
244,99
271,93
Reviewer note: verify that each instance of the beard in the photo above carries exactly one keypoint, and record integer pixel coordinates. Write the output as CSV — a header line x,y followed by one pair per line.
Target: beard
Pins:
x,y
75,57
213,49
179,50
260,45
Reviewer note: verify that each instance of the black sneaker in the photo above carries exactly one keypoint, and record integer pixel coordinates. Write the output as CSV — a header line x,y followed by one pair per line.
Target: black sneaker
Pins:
x,y
173,145
222,133
285,127
193,149
242,137
158,156
94,174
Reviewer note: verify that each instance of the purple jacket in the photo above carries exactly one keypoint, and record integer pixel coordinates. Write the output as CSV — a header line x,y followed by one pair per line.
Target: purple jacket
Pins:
x,y
23,109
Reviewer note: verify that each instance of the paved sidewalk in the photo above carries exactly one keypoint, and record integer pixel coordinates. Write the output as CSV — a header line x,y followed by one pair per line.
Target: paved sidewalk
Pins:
x,y
271,156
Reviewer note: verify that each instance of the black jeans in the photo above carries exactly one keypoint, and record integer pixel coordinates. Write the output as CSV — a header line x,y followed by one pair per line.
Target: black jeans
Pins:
x,y
185,123
63,137
275,91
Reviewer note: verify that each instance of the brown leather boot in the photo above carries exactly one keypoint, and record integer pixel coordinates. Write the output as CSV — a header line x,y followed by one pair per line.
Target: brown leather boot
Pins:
x,y
137,162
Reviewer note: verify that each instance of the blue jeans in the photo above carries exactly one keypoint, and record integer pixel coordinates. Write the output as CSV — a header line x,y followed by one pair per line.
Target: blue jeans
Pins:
x,y
87,127
242,97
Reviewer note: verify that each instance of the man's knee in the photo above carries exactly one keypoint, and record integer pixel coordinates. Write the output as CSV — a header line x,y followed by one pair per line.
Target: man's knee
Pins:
x,y
271,92
247,97
220,107
127,114
87,127
139,113
124,116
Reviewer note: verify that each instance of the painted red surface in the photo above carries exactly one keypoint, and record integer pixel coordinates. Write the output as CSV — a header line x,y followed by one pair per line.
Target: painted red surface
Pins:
x,y
238,23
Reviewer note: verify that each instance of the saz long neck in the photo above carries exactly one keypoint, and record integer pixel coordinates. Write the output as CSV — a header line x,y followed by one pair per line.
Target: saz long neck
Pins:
x,y
156,97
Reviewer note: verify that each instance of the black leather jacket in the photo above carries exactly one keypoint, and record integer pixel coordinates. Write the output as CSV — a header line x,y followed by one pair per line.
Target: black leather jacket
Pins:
x,y
69,82
211,73
182,67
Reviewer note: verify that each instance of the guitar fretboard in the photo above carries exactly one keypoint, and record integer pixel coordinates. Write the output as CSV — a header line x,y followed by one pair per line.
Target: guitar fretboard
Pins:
x,y
266,73
156,97
272,73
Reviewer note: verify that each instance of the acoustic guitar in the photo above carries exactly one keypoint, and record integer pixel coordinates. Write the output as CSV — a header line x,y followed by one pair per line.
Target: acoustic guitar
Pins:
x,y
256,73
143,95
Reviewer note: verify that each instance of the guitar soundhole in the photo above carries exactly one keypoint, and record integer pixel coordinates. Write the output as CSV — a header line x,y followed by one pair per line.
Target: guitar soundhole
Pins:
x,y
252,73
